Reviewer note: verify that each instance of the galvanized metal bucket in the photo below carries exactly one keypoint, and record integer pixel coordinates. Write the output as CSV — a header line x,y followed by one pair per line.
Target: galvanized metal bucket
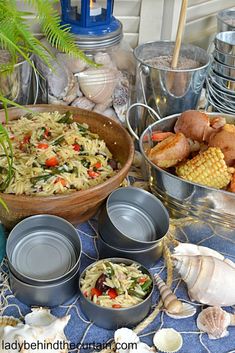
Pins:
x,y
166,90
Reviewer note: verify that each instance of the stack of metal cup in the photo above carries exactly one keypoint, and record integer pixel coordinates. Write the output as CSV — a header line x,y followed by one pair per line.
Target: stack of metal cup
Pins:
x,y
221,79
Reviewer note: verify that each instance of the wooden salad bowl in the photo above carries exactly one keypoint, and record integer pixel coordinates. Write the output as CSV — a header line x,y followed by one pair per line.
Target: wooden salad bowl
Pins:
x,y
77,206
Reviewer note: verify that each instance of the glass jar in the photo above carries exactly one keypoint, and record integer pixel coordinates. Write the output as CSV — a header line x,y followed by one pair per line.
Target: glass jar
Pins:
x,y
106,88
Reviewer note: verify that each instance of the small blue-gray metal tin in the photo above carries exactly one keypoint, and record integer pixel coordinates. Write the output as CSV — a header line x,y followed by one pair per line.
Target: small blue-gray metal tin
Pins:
x,y
49,295
110,318
133,219
44,254
43,249
146,257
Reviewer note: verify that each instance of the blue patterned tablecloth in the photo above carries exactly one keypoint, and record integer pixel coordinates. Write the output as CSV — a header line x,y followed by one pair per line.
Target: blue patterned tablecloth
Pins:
x,y
79,329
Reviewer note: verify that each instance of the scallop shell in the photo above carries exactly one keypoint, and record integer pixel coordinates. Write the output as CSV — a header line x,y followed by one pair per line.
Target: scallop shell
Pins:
x,y
168,340
214,321
83,103
187,310
98,84
9,321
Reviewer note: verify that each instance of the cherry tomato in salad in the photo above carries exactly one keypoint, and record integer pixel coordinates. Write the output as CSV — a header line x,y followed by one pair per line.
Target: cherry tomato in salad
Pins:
x,y
61,181
52,162
43,146
76,147
96,291
112,293
98,165
93,174
142,280
116,306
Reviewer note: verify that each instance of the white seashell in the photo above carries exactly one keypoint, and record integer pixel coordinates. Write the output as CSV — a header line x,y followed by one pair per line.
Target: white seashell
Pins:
x,y
73,64
210,280
83,103
110,113
142,348
126,336
98,84
40,327
101,107
54,100
168,340
214,321
187,310
72,93
170,301
104,59
194,250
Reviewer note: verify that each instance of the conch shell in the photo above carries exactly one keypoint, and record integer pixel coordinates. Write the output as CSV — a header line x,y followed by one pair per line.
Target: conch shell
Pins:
x,y
214,321
210,280
174,307
40,326
98,84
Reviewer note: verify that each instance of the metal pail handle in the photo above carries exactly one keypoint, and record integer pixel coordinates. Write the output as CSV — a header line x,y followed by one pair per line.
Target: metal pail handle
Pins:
x,y
128,117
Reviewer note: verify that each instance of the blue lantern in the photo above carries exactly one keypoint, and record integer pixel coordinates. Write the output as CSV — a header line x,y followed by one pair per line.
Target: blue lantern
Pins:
x,y
90,17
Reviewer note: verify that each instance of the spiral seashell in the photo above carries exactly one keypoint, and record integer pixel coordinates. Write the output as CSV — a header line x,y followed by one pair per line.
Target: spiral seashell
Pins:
x,y
98,84
168,340
171,303
9,321
209,280
214,321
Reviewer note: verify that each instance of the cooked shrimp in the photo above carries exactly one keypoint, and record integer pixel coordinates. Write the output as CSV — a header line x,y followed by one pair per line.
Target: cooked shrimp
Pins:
x,y
170,151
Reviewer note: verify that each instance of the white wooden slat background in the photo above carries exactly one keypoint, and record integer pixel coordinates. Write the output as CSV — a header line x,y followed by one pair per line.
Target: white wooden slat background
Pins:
x,y
150,20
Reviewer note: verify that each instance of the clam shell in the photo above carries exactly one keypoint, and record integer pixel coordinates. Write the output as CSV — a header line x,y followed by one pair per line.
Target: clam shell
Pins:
x,y
98,84
187,311
9,321
214,321
168,340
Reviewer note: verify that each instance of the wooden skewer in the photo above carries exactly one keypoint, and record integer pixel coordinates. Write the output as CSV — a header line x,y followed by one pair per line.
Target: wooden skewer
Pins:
x,y
180,31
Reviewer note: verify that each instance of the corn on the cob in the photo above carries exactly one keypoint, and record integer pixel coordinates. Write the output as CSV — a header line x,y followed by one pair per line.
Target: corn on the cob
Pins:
x,y
207,168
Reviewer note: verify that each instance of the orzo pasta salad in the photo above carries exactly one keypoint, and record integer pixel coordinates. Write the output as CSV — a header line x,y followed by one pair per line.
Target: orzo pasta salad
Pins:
x,y
115,285
53,154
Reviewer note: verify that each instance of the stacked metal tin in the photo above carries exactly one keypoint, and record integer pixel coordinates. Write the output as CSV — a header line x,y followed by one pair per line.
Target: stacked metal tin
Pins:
x,y
44,258
132,225
221,79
